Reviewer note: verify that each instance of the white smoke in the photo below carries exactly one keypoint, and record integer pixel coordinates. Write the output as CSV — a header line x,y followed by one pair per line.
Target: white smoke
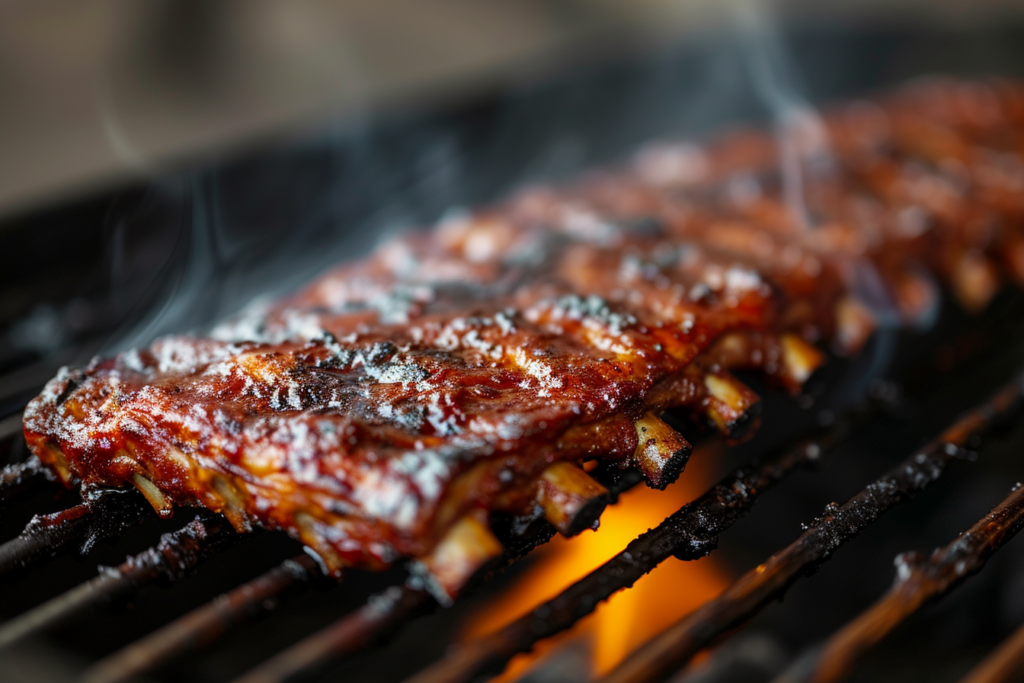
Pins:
x,y
804,150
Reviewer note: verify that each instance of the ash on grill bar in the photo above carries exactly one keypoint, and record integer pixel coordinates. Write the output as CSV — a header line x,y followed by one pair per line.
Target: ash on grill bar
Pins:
x,y
344,482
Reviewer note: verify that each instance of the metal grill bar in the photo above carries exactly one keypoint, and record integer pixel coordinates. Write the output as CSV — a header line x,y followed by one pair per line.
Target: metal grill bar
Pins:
x,y
106,515
689,533
176,554
918,582
204,624
357,631
669,651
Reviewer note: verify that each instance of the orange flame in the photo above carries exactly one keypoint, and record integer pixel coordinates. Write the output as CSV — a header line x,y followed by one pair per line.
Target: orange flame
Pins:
x,y
630,617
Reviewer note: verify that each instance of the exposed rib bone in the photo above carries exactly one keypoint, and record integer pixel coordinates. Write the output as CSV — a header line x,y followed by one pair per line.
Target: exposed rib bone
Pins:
x,y
799,359
382,614
686,534
313,538
153,495
732,406
572,500
855,323
234,505
975,280
661,452
464,550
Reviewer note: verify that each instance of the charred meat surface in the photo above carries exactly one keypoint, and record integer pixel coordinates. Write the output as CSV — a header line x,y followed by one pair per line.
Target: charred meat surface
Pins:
x,y
385,410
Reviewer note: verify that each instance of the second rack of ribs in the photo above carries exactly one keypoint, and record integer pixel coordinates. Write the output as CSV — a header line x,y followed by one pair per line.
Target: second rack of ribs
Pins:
x,y
486,365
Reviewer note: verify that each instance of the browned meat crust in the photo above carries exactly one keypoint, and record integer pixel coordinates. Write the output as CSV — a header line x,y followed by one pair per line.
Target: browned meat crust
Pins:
x,y
387,408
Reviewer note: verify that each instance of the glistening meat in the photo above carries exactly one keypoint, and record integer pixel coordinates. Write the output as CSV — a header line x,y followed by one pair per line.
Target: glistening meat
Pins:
x,y
387,410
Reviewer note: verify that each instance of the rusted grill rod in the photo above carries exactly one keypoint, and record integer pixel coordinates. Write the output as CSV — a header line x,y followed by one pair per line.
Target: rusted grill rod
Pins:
x,y
22,477
1002,666
106,515
175,555
689,533
355,632
204,624
919,580
667,652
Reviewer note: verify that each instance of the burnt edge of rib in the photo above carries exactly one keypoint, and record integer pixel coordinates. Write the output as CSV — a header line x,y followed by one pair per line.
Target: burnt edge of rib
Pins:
x,y
664,654
919,581
588,515
176,555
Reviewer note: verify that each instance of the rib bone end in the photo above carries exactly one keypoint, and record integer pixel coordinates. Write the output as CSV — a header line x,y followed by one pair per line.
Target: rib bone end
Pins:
x,y
855,323
232,504
661,452
732,406
571,499
152,494
313,533
464,550
51,455
975,281
799,359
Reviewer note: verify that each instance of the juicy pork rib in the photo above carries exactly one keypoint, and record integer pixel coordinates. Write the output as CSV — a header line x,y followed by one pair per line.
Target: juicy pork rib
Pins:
x,y
386,410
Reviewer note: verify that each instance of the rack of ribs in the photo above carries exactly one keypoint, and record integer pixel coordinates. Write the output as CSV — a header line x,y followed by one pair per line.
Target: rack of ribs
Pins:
x,y
488,365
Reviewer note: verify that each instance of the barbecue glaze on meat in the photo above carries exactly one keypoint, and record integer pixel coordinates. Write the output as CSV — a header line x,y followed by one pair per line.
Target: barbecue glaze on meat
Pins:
x,y
486,365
